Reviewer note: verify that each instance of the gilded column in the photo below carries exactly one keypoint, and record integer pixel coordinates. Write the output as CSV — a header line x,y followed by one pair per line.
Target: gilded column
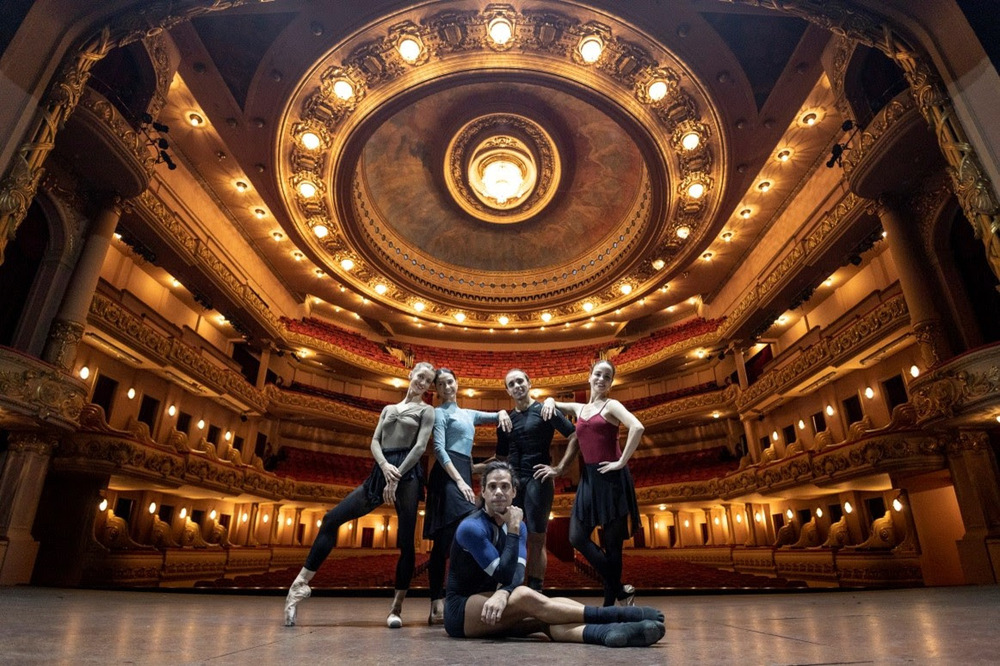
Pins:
x,y
651,521
976,479
21,485
904,247
730,527
265,360
711,527
67,329
678,539
251,538
296,541
753,538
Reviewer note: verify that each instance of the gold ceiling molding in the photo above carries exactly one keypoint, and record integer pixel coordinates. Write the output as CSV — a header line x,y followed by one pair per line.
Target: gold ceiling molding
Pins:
x,y
372,71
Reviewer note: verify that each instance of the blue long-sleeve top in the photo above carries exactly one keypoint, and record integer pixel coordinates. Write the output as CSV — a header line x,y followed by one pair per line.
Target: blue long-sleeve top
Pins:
x,y
455,428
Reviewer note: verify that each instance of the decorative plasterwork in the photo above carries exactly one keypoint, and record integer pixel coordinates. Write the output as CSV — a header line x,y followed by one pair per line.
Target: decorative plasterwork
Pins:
x,y
543,47
966,387
35,394
898,448
134,332
830,350
803,253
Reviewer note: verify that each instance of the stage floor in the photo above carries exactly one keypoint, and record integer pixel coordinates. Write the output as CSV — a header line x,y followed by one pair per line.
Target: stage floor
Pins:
x,y
916,626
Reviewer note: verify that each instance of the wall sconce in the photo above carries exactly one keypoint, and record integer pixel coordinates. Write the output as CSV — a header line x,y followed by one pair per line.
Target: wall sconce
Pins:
x,y
739,518
774,436
131,394
213,514
228,435
848,508
717,521
171,410
757,517
869,392
819,512
829,410
897,503
201,424
184,513
288,521
84,372
265,518
914,371
103,506
319,523
152,507
663,507
790,514
687,523
244,518
802,424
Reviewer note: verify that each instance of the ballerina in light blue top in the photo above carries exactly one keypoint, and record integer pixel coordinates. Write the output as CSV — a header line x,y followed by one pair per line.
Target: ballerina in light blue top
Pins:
x,y
449,489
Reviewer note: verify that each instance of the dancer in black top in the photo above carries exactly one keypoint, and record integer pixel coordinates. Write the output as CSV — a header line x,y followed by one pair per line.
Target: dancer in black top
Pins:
x,y
527,448
485,597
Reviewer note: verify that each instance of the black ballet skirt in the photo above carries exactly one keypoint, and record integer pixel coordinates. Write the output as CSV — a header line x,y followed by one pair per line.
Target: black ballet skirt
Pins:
x,y
445,503
374,485
602,498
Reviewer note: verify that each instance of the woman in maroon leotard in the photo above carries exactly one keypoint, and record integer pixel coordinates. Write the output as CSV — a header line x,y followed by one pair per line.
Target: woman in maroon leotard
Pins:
x,y
606,495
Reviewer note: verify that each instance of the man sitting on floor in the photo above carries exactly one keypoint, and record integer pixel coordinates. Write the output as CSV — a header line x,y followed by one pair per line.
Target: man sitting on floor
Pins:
x,y
485,595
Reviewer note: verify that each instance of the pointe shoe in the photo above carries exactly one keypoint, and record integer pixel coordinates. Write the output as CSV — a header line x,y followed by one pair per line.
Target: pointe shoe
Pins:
x,y
626,597
299,591
437,612
394,621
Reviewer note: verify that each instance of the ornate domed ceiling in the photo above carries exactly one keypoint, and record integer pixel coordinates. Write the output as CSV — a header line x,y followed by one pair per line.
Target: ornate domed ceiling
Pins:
x,y
441,169
603,146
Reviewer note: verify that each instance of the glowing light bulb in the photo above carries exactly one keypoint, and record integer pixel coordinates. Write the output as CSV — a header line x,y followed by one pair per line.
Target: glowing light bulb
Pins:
x,y
657,90
310,140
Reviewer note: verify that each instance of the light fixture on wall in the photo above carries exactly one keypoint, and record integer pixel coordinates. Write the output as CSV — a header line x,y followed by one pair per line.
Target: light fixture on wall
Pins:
x,y
131,394
171,410
687,523
152,507
265,518
847,507
319,523
790,514
897,503
802,424
84,372
757,517
819,512
244,518
103,506
739,518
914,371
184,513
213,515
288,521
829,410
869,392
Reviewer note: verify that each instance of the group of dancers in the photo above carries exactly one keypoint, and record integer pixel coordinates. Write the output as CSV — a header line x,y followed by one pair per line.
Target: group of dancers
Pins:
x,y
497,551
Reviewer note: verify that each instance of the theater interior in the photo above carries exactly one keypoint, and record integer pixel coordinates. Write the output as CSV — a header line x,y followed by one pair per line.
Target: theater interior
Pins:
x,y
229,228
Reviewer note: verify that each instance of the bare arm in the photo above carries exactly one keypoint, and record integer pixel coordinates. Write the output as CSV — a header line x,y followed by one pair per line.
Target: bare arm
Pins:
x,y
635,430
549,406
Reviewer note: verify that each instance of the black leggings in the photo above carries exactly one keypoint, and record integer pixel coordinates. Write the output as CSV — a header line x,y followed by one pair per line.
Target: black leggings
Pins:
x,y
356,505
439,558
607,562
